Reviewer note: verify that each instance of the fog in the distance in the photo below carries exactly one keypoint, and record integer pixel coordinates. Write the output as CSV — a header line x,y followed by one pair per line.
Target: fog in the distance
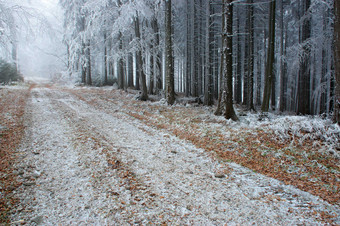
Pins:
x,y
41,52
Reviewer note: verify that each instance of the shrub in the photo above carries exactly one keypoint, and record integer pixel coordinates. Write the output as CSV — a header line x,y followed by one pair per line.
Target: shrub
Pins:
x,y
8,72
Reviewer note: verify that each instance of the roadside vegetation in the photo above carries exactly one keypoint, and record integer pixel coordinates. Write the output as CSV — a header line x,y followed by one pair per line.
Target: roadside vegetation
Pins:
x,y
8,72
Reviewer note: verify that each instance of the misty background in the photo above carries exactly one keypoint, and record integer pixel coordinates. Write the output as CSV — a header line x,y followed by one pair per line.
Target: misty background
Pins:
x,y
38,36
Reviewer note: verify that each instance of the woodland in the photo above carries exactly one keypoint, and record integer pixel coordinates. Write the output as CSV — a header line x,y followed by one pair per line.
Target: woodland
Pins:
x,y
266,55
277,55
193,112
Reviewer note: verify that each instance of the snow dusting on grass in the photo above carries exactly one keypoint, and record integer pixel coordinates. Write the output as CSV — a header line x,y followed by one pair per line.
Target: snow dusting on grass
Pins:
x,y
297,127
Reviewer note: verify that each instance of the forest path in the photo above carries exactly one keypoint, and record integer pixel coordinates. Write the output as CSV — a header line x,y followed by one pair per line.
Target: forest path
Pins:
x,y
87,165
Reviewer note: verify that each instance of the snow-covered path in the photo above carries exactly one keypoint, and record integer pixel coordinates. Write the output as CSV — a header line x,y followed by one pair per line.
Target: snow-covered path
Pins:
x,y
82,165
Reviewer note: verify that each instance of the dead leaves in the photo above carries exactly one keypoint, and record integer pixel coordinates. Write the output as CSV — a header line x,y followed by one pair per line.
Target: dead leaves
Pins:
x,y
12,104
260,150
186,123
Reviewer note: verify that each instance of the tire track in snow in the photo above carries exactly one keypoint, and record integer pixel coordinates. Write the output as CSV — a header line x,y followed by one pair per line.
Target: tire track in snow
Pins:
x,y
62,191
182,177
291,199
176,181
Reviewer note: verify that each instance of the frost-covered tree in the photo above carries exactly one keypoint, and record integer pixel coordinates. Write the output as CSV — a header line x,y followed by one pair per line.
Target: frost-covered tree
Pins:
x,y
19,21
13,16
108,25
282,50
7,28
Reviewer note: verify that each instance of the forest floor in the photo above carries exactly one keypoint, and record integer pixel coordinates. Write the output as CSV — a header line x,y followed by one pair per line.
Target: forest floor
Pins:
x,y
80,156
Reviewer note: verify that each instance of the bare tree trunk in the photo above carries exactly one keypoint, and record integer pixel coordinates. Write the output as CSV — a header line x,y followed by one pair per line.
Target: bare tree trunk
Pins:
x,y
83,63
169,63
194,50
216,55
251,57
15,54
282,71
157,57
270,58
208,92
140,68
200,48
105,60
273,95
83,74
219,109
83,53
88,64
109,61
69,65
258,76
228,52
337,61
188,50
304,75
152,71
121,77
245,61
130,70
238,76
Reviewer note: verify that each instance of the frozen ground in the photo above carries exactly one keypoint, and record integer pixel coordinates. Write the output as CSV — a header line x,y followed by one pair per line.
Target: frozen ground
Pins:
x,y
81,165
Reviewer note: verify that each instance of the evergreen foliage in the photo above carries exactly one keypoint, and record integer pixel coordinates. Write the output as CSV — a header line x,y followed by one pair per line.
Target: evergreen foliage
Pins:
x,y
8,72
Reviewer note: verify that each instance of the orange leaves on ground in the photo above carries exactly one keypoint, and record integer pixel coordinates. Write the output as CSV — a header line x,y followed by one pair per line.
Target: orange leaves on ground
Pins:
x,y
12,109
176,122
259,149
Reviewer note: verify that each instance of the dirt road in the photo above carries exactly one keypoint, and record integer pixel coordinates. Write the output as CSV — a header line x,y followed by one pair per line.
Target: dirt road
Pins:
x,y
92,164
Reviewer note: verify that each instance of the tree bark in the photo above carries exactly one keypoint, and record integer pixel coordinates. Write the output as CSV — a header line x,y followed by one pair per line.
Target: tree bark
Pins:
x,y
152,71
219,110
283,84
88,64
157,57
251,57
169,63
228,52
245,61
83,63
140,68
110,61
303,107
270,58
194,50
121,77
238,77
105,60
200,48
188,50
208,83
337,61
130,70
